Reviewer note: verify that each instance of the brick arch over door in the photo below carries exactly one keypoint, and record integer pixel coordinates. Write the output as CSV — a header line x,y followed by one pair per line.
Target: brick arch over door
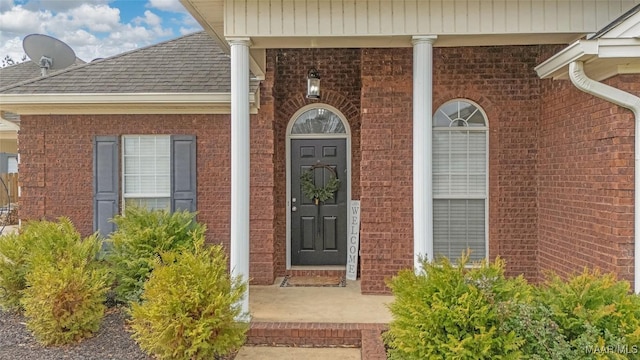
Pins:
x,y
348,109
283,113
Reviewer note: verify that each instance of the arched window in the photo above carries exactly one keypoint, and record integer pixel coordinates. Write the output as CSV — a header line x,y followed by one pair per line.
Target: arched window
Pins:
x,y
460,163
318,121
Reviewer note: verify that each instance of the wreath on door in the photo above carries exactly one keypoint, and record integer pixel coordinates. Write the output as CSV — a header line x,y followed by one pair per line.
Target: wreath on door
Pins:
x,y
319,193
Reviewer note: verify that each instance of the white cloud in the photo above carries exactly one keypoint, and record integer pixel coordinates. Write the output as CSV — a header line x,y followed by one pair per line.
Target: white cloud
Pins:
x,y
19,20
149,18
12,47
167,5
93,28
6,5
100,18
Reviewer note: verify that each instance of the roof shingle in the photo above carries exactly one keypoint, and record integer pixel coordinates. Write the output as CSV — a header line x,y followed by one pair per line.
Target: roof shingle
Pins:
x,y
193,63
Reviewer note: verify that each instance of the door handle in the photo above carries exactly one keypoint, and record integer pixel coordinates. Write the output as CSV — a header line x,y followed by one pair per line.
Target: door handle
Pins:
x,y
293,208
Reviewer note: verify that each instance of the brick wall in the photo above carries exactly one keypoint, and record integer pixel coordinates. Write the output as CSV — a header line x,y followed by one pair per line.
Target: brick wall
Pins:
x,y
586,180
501,80
560,161
340,87
56,172
386,235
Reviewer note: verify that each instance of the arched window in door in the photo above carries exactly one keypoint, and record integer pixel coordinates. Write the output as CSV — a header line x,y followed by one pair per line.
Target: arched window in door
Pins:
x,y
318,121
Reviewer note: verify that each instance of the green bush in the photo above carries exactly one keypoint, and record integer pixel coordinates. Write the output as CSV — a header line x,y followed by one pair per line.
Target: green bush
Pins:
x,y
141,236
188,307
14,254
48,241
595,312
451,312
65,284
532,322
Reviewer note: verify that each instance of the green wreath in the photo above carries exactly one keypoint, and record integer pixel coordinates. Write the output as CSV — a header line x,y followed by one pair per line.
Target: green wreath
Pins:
x,y
316,193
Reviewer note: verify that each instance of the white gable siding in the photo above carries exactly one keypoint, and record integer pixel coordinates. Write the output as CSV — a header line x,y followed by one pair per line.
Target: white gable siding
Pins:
x,y
313,18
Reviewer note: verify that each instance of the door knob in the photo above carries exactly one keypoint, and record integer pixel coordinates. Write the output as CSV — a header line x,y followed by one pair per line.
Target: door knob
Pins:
x,y
293,208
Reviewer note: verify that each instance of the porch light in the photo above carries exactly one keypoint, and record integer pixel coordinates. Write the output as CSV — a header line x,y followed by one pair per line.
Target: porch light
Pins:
x,y
313,84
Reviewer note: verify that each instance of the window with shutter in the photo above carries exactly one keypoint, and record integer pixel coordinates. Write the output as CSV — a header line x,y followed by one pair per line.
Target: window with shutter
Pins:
x,y
460,179
158,172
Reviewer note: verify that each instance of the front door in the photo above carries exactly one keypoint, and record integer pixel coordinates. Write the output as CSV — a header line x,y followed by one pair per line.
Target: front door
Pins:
x,y
318,228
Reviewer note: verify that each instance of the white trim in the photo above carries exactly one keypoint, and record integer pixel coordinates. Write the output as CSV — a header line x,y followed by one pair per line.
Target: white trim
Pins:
x,y
123,103
346,135
623,51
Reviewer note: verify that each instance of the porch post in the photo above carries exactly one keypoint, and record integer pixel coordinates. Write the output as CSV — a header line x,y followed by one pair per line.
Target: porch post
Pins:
x,y
240,146
422,177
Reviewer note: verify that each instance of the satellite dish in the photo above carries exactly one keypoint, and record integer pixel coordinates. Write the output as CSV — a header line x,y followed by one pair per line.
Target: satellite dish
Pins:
x,y
48,52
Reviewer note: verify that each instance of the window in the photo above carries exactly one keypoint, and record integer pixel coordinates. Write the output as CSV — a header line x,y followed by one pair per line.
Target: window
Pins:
x,y
318,121
460,164
146,177
158,172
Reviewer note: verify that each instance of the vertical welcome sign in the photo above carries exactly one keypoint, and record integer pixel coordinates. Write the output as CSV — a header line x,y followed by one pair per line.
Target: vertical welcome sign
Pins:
x,y
353,240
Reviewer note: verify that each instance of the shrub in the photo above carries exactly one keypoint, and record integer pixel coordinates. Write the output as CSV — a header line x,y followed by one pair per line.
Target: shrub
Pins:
x,y
451,312
595,312
13,269
66,286
51,241
188,307
532,322
141,236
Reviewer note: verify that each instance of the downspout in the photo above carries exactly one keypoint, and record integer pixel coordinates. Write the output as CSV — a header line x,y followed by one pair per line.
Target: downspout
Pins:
x,y
631,102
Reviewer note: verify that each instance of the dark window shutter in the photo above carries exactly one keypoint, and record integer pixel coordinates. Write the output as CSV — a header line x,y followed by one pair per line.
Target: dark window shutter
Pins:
x,y
105,183
183,172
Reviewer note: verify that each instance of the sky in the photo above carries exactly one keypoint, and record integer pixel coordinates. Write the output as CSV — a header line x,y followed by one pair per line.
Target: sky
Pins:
x,y
93,28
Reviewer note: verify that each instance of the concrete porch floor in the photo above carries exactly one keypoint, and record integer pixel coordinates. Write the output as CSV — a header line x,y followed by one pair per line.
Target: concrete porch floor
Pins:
x,y
342,307
272,303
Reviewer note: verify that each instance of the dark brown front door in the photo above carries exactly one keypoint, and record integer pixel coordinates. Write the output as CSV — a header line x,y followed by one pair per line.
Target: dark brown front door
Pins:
x,y
318,232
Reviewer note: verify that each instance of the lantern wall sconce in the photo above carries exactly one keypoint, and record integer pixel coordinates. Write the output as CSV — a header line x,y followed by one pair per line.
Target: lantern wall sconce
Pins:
x,y
313,84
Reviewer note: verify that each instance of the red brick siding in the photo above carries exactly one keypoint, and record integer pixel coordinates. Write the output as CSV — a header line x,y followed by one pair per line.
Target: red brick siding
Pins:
x,y
56,170
265,198
585,170
386,177
501,80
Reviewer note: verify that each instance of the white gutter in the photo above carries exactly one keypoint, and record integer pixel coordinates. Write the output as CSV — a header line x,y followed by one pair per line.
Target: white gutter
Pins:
x,y
631,102
625,51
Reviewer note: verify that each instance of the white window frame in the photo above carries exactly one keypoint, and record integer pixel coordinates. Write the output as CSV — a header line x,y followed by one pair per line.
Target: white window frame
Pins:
x,y
126,195
484,197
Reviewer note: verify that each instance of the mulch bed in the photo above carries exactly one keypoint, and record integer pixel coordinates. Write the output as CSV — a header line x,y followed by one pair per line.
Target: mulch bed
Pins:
x,y
112,341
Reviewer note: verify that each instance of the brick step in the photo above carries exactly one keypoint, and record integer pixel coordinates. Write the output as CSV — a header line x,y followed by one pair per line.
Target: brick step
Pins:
x,y
297,334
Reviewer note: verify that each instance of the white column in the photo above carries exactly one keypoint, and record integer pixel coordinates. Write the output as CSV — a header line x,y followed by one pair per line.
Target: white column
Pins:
x,y
422,177
240,146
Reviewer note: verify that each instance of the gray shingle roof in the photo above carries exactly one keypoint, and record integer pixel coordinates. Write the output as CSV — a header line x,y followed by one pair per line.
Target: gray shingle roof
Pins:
x,y
25,71
193,63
